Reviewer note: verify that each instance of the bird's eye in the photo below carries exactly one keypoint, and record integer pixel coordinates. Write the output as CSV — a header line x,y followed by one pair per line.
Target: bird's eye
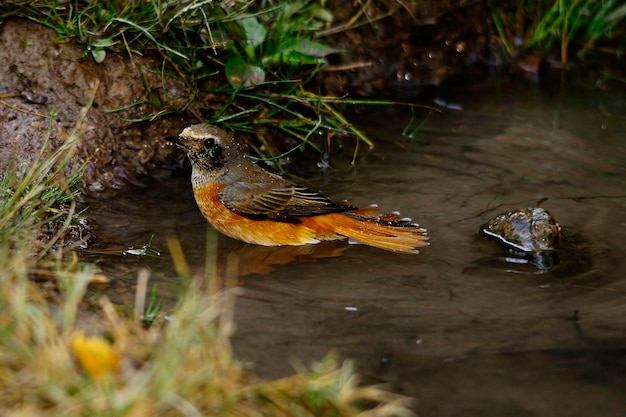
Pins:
x,y
209,143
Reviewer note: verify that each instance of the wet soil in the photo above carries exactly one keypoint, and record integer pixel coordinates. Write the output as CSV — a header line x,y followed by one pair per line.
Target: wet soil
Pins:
x,y
41,76
458,326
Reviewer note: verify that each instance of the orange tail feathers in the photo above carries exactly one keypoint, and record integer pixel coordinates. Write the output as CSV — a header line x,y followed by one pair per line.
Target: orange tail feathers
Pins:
x,y
398,235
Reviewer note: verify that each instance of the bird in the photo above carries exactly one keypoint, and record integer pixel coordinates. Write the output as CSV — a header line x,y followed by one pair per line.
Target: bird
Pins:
x,y
246,202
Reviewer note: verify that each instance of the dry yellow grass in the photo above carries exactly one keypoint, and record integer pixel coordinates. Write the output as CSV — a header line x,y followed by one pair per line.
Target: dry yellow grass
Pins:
x,y
55,362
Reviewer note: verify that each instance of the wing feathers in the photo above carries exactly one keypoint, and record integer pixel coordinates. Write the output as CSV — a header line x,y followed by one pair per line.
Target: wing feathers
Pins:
x,y
286,202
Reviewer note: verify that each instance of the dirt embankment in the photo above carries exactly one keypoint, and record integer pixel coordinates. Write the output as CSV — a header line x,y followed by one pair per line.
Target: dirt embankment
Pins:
x,y
43,77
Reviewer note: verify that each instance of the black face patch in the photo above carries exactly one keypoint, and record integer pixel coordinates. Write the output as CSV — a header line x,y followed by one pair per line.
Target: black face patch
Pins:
x,y
211,155
216,152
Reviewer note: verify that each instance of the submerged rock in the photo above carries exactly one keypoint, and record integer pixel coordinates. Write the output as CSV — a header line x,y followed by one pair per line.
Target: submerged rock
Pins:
x,y
532,236
531,229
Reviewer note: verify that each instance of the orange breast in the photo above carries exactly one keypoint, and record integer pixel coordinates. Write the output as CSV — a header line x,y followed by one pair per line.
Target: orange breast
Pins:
x,y
385,235
259,232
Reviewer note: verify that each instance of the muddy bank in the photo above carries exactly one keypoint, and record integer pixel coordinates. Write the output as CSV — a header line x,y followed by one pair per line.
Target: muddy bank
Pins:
x,y
44,77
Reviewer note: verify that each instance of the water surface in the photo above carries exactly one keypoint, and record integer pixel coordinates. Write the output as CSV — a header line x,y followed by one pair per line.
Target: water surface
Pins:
x,y
463,331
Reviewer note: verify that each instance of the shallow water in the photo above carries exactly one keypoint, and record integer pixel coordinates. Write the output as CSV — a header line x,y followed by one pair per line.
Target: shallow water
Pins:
x,y
457,327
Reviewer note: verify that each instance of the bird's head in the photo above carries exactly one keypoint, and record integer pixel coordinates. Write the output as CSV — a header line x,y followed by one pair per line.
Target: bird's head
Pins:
x,y
208,147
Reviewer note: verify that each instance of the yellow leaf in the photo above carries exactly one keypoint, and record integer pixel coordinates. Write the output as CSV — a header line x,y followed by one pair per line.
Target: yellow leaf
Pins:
x,y
96,355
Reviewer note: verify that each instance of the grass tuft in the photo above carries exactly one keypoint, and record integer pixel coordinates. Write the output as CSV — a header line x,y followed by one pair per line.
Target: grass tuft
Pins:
x,y
579,26
37,200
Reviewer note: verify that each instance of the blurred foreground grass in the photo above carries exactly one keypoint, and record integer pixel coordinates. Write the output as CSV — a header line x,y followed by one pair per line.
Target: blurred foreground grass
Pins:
x,y
56,361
